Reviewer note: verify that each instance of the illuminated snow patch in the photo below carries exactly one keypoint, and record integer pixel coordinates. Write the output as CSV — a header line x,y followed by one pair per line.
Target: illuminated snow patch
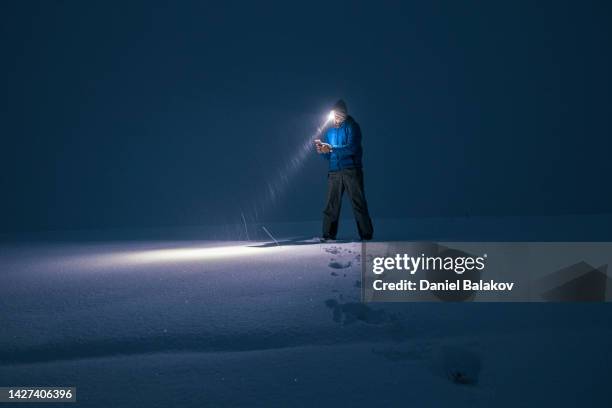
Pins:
x,y
193,254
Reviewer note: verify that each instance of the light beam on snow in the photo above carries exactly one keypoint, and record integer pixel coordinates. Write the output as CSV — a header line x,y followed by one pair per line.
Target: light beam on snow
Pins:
x,y
193,254
145,256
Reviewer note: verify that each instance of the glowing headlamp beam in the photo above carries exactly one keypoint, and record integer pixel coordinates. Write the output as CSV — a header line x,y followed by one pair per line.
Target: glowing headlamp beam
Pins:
x,y
277,186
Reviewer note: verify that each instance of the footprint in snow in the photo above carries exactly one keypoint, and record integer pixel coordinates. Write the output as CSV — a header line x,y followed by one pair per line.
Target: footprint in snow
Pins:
x,y
459,365
340,265
351,312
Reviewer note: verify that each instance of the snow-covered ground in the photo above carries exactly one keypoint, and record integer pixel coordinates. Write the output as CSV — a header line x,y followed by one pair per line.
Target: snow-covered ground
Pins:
x,y
196,322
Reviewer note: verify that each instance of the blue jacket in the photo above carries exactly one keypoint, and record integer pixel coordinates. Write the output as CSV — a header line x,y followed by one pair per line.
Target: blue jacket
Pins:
x,y
346,145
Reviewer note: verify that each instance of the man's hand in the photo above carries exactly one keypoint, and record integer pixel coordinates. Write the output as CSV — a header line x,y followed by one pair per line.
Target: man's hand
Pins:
x,y
322,147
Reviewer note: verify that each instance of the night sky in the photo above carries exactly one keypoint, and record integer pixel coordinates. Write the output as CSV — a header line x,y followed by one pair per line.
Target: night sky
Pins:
x,y
131,114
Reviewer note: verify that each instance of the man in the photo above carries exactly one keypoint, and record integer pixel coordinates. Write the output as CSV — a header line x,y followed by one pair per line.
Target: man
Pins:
x,y
342,148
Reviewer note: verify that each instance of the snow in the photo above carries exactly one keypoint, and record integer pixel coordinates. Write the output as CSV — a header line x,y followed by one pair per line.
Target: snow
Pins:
x,y
188,322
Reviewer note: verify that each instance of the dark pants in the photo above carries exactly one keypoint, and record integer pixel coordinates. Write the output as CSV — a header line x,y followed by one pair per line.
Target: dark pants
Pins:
x,y
350,180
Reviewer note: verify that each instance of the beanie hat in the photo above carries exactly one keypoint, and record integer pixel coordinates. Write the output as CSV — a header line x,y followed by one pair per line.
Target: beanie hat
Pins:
x,y
340,110
340,106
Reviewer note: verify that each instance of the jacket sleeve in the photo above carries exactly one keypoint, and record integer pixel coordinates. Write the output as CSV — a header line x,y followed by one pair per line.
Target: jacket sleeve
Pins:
x,y
353,140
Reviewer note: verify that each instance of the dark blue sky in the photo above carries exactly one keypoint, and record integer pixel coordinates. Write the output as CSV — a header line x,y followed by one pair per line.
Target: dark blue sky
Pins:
x,y
118,114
